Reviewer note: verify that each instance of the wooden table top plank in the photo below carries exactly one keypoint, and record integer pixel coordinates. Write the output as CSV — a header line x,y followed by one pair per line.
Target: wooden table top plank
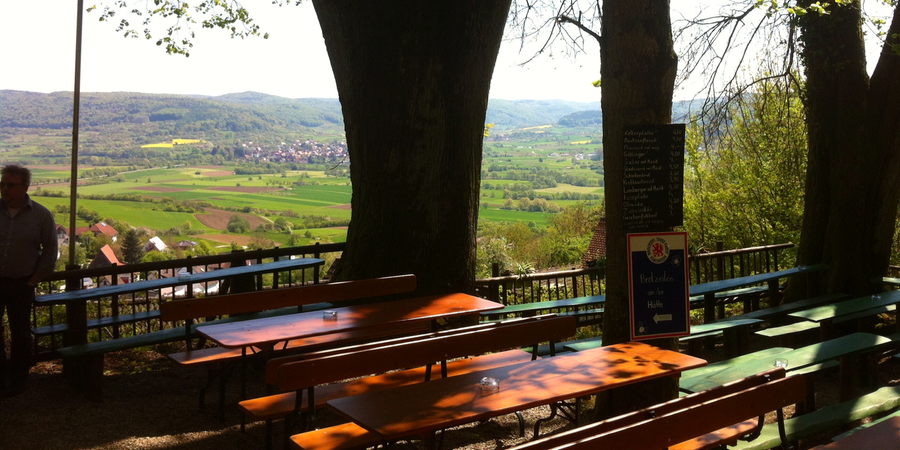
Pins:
x,y
883,435
734,283
271,330
847,307
453,401
159,283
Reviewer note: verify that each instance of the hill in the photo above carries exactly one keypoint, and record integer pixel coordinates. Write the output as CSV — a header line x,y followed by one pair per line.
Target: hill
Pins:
x,y
237,112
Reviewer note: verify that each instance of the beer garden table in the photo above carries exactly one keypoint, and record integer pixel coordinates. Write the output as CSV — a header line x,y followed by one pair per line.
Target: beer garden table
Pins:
x,y
447,402
267,332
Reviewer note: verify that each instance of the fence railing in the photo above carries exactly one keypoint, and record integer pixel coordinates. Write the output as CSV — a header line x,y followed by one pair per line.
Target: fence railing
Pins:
x,y
534,287
508,290
52,322
741,262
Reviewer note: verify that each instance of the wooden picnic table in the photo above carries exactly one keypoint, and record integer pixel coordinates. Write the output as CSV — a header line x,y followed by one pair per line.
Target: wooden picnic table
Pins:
x,y
883,435
826,316
844,348
709,290
447,402
265,333
269,331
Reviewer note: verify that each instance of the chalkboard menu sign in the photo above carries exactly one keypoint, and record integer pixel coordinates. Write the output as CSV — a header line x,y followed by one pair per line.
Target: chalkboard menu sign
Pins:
x,y
654,177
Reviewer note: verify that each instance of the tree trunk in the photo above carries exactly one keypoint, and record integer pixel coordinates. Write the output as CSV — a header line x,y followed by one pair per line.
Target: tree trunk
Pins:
x,y
413,80
638,67
853,174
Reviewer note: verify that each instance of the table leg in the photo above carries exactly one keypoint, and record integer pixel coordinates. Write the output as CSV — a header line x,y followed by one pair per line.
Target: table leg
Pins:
x,y
243,373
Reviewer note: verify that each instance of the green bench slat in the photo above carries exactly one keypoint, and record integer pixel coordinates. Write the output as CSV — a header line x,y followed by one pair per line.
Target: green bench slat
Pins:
x,y
581,345
709,369
785,330
865,425
815,368
544,350
724,325
114,345
156,337
121,319
828,418
535,307
856,343
787,308
694,336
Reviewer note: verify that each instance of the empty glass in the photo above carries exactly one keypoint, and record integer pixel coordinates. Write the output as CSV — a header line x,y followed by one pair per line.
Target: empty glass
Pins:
x,y
490,385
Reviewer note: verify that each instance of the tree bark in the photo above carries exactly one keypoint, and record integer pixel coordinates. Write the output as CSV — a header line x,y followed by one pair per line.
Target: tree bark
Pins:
x,y
638,67
413,80
853,173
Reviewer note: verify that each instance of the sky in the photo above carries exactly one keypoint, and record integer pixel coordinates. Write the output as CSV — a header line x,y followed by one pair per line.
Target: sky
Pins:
x,y
39,55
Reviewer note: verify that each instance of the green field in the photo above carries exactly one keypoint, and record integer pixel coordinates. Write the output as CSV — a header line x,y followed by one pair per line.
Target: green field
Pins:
x,y
312,193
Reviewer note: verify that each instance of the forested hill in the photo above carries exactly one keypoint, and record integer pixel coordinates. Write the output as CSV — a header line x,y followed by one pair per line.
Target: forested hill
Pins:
x,y
233,112
245,112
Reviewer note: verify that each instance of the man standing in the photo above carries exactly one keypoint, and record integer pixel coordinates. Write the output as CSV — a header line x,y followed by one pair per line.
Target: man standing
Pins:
x,y
28,252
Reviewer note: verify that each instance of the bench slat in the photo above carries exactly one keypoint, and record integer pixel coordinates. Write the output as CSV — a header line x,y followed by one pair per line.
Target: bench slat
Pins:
x,y
346,436
827,418
218,305
280,405
662,409
686,424
302,374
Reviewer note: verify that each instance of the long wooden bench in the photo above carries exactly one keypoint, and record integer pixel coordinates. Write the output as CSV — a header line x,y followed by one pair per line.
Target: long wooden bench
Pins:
x,y
396,363
704,420
285,300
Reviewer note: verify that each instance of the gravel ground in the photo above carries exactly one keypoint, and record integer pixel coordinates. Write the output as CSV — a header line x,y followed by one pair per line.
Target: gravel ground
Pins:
x,y
151,404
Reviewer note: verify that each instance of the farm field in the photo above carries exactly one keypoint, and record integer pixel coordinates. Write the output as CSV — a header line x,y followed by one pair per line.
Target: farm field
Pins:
x,y
297,195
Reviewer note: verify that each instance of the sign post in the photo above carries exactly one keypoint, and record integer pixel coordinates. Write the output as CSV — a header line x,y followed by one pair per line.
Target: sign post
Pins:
x,y
658,285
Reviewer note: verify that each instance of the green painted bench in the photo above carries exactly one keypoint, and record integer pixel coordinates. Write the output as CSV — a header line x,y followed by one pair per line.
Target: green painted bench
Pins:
x,y
734,331
776,315
848,349
791,334
709,290
587,310
736,334
828,418
847,310
866,425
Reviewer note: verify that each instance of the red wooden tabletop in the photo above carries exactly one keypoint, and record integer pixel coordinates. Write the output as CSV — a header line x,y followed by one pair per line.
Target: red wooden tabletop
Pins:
x,y
457,400
883,435
271,330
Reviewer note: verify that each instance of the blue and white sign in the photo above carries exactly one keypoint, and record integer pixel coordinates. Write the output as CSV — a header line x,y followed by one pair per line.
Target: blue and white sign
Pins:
x,y
658,285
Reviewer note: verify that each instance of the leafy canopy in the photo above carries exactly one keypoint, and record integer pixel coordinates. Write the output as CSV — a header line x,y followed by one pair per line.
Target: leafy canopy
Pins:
x,y
180,17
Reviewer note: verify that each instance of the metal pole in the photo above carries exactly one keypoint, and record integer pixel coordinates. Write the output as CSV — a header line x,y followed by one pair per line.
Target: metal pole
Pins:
x,y
73,190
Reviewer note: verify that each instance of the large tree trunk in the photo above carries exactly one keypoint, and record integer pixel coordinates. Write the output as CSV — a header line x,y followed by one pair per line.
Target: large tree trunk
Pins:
x,y
638,67
413,80
853,174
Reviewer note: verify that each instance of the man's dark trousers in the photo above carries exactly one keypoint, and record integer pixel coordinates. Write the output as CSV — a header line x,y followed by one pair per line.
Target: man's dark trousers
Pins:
x,y
16,297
